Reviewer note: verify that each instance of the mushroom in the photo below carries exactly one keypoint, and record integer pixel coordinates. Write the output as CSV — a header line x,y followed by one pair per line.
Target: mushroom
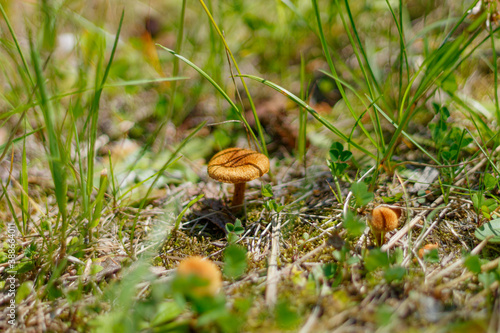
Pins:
x,y
204,269
383,219
426,249
237,166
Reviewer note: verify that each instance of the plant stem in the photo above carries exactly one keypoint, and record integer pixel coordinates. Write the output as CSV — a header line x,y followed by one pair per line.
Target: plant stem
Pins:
x,y
337,185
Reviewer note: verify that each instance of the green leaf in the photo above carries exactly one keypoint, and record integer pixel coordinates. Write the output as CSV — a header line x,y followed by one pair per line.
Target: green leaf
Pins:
x,y
345,156
94,269
238,228
229,227
485,211
353,260
363,196
286,316
490,182
353,225
376,259
330,270
473,264
166,312
267,191
232,238
384,315
395,273
432,256
393,199
450,84
272,205
24,267
491,204
397,256
24,291
491,228
476,200
486,278
222,138
337,153
235,260
337,168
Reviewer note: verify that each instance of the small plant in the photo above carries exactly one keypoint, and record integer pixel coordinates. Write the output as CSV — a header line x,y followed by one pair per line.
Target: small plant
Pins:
x,y
449,142
233,231
271,204
362,196
337,164
390,264
484,201
235,260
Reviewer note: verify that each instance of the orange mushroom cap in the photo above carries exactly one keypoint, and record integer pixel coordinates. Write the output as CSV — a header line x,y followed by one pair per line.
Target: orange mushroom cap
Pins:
x,y
204,269
237,165
384,219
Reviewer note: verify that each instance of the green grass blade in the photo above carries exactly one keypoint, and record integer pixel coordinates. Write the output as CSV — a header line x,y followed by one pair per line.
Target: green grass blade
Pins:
x,y
57,158
216,86
6,146
301,144
495,74
181,214
18,47
406,135
485,153
403,57
367,72
262,145
328,57
313,112
24,184
11,207
99,201
94,114
175,71
361,48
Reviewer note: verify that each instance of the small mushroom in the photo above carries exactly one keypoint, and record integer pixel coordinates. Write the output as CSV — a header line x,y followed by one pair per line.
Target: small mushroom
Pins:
x,y
204,269
237,166
383,219
426,249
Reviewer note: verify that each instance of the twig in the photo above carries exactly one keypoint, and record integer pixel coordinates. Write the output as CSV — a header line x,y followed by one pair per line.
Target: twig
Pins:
x,y
311,321
486,267
272,271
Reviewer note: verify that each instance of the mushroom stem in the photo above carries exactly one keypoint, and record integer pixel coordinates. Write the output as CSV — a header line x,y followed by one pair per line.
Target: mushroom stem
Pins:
x,y
239,195
379,237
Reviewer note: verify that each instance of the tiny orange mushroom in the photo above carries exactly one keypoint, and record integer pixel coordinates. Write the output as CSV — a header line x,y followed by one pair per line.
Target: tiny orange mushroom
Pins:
x,y
383,220
237,166
426,249
204,269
